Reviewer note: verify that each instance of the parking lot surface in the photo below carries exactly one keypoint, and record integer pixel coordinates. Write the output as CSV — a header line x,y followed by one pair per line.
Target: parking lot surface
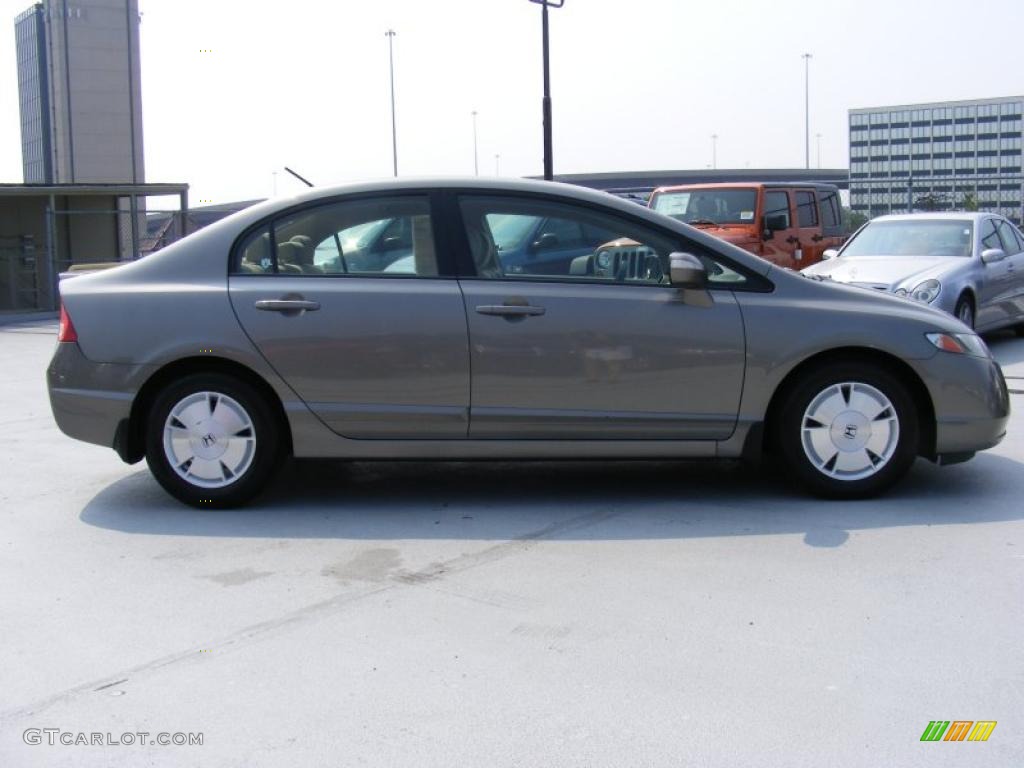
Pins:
x,y
503,614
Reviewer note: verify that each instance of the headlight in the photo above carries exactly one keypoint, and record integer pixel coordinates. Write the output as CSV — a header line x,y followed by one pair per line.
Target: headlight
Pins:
x,y
959,343
604,259
900,291
926,292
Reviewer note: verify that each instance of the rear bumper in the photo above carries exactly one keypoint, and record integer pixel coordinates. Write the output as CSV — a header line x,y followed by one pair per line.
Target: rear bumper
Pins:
x,y
89,400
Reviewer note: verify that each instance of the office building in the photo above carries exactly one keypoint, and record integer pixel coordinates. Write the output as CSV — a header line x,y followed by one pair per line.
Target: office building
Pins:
x,y
944,156
79,92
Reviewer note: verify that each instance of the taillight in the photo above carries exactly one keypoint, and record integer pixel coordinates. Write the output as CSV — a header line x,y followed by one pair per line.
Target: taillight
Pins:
x,y
66,331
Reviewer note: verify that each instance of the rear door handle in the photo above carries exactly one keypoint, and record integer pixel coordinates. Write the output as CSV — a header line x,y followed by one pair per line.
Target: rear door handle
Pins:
x,y
287,305
510,310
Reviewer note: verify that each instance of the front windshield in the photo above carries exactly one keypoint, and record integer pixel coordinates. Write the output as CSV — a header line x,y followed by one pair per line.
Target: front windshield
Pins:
x,y
937,237
509,229
708,206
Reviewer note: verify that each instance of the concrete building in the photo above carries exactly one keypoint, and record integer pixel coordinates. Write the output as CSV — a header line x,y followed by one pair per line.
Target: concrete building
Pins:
x,y
44,229
79,92
947,155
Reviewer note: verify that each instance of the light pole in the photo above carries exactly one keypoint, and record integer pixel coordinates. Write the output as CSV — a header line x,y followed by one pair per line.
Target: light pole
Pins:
x,y
546,103
807,109
818,135
476,164
497,161
714,150
390,34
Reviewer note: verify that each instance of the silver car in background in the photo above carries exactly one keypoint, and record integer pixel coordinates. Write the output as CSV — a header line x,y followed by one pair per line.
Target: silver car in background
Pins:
x,y
968,264
268,335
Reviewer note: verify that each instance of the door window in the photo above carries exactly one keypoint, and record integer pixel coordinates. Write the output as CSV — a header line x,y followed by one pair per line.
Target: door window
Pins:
x,y
381,236
1006,235
806,210
518,238
989,237
777,204
829,209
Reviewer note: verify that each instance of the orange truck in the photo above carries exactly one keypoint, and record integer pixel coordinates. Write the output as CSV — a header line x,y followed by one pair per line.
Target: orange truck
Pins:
x,y
789,224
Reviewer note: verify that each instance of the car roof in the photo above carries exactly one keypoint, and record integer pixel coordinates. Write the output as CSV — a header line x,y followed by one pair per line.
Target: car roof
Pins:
x,y
937,215
747,185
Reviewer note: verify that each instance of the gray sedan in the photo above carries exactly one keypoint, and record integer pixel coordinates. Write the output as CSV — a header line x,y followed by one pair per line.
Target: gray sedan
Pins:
x,y
968,264
256,338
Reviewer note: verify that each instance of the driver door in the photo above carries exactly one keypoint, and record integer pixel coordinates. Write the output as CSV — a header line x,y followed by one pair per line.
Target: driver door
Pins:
x,y
604,350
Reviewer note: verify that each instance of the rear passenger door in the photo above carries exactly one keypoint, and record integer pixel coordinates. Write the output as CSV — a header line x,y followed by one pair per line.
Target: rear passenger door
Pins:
x,y
376,348
810,247
831,212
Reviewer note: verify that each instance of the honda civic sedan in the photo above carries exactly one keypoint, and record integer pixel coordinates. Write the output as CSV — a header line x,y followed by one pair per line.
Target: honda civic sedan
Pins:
x,y
214,359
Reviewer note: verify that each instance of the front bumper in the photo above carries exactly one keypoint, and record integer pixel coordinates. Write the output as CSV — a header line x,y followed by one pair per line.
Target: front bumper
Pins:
x,y
89,400
972,404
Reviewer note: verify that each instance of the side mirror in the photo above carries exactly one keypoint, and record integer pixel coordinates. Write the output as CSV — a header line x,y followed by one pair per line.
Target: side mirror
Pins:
x,y
686,271
992,255
546,241
772,224
830,253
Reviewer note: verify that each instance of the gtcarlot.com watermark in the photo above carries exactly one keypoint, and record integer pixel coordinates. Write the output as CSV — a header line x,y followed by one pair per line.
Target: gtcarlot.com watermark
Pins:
x,y
55,736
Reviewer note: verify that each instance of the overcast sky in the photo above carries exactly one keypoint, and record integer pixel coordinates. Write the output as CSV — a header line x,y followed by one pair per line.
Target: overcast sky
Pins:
x,y
636,84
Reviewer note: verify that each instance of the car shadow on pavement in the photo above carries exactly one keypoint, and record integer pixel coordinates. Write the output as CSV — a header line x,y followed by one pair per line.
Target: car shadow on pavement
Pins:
x,y
328,499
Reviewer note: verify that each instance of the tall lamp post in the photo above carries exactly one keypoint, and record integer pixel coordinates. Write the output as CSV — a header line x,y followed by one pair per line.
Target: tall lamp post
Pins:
x,y
497,167
390,34
714,150
807,109
818,135
546,104
476,164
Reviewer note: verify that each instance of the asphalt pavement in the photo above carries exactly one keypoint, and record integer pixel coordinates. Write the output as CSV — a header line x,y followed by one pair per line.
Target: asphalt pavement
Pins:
x,y
501,614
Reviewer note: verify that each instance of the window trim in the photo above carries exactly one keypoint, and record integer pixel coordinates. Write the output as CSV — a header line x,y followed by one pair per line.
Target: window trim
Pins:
x,y
466,265
446,266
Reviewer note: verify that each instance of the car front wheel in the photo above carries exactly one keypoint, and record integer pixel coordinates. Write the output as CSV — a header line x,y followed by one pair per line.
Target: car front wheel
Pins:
x,y
211,440
965,311
848,431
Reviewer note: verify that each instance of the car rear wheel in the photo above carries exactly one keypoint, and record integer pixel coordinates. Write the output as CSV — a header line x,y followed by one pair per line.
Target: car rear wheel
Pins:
x,y
965,311
211,440
848,431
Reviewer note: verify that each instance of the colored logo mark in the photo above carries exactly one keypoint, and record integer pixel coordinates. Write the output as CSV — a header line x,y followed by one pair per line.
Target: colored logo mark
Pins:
x,y
958,730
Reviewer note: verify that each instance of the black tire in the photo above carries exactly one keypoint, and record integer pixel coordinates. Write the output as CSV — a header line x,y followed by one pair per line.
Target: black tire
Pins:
x,y
827,381
236,401
964,311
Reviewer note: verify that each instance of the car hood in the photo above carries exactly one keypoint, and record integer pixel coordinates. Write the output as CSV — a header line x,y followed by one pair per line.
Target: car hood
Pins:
x,y
892,271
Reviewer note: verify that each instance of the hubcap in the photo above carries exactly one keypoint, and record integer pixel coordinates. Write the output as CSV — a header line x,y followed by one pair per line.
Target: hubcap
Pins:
x,y
209,439
850,431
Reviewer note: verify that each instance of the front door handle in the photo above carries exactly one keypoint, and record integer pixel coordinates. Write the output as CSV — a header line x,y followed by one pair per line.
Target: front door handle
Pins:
x,y
792,239
287,305
510,310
